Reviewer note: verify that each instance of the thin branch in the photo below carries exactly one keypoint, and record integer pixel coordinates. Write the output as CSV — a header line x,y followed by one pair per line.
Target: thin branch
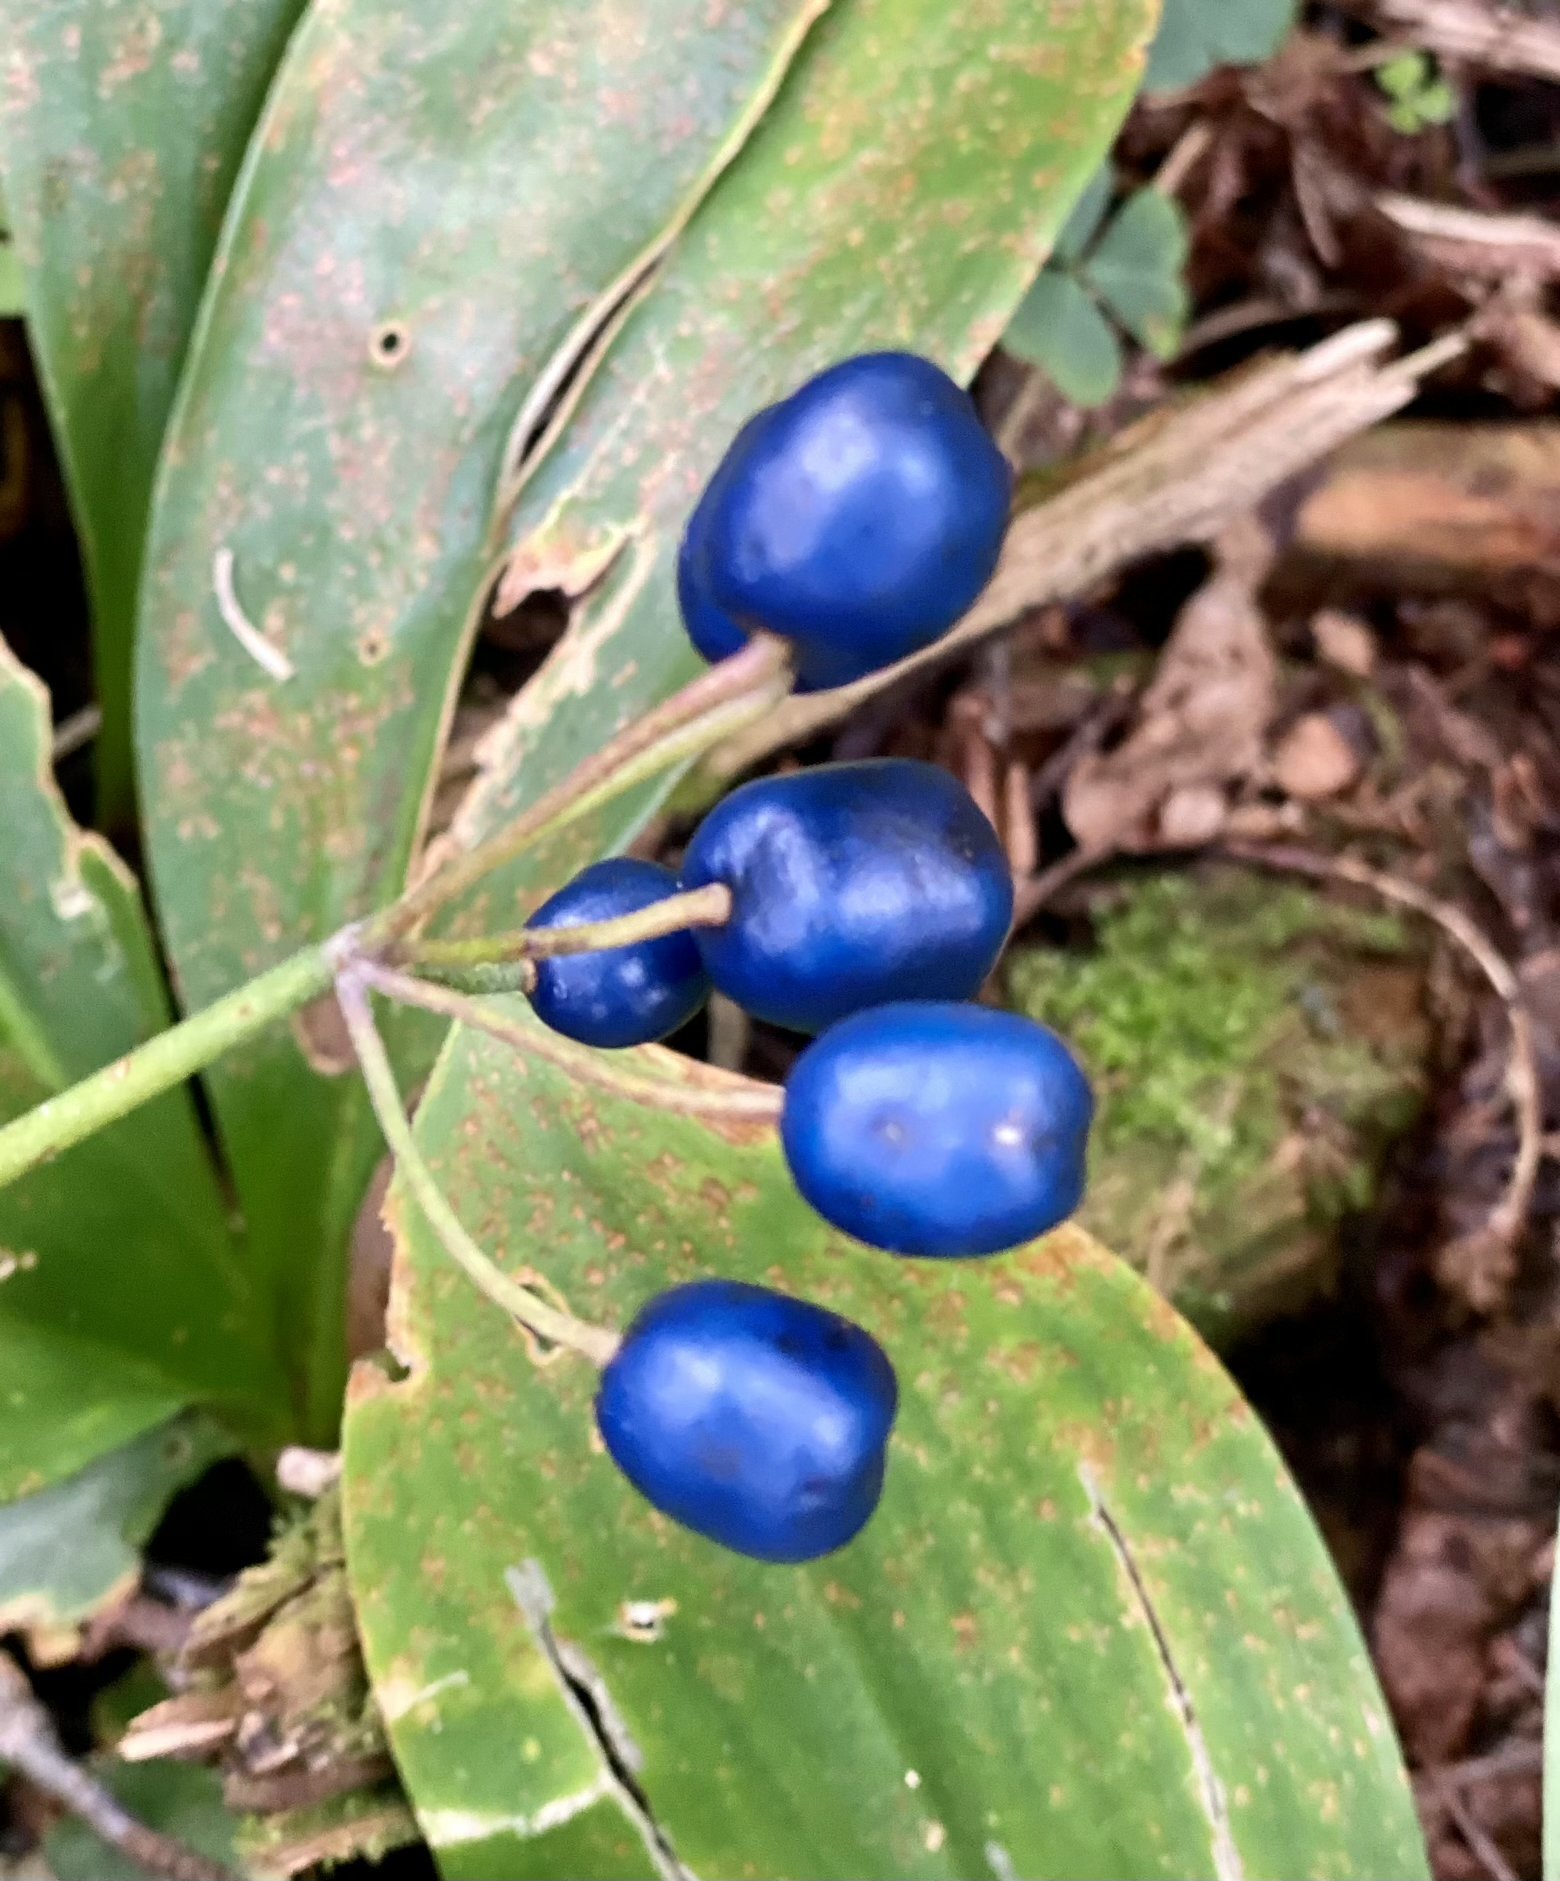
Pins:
x,y
1031,895
520,1303
30,1745
709,906
745,1099
71,734
1480,1844
1509,1216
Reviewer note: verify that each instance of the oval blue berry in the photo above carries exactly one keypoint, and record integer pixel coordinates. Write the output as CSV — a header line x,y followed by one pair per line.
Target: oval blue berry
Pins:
x,y
858,518
851,884
940,1130
617,996
755,1419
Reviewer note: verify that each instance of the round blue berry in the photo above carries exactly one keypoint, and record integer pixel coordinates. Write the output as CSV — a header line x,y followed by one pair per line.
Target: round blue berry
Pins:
x,y
851,884
858,518
750,1417
938,1129
618,995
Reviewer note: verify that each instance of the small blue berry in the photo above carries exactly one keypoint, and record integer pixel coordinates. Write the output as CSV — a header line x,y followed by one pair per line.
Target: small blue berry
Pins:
x,y
858,518
619,995
752,1418
851,884
938,1129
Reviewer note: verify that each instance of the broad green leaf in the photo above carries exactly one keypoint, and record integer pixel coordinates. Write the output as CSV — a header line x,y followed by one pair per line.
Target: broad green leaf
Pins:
x,y
902,192
122,1294
68,1550
121,128
1136,269
1091,1630
178,1799
1197,35
1060,329
437,198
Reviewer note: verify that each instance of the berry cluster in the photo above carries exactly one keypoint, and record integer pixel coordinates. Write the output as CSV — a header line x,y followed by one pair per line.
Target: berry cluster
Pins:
x,y
867,903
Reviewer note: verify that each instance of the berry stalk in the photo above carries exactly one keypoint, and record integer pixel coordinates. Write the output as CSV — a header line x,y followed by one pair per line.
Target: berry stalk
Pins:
x,y
709,906
520,1303
762,1102
735,694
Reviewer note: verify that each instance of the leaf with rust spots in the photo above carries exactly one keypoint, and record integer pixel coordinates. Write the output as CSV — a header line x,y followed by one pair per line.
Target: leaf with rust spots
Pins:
x,y
116,1264
1080,1617
902,192
439,203
121,129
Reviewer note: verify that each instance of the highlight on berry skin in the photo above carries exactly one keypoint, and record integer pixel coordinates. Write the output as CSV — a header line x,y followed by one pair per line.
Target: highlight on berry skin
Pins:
x,y
618,996
936,1129
757,1420
858,518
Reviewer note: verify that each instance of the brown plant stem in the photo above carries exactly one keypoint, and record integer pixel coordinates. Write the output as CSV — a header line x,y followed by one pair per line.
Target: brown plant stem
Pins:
x,y
30,1744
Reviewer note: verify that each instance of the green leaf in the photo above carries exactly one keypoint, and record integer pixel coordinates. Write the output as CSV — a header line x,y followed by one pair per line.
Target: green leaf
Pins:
x,y
438,202
13,291
902,192
1090,1631
1197,35
1088,213
177,1799
122,1295
1405,75
70,1549
1061,330
900,188
121,128
1136,269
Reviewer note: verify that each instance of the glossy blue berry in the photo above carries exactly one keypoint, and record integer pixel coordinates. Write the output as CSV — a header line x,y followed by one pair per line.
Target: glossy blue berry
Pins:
x,y
619,995
938,1129
858,518
851,884
750,1417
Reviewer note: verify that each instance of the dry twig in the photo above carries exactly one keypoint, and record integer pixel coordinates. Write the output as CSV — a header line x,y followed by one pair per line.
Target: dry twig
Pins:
x,y
31,1746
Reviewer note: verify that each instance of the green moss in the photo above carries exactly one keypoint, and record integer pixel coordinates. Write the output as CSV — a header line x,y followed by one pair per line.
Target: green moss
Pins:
x,y
1256,1045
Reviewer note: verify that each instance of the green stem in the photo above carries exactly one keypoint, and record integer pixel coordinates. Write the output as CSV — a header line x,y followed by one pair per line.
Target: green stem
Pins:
x,y
722,701
709,906
718,703
533,1312
162,1063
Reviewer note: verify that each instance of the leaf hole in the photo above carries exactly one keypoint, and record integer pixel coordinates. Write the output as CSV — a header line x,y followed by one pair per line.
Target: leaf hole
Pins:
x,y
390,344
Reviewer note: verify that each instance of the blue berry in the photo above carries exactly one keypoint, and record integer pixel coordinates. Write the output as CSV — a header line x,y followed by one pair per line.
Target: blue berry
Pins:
x,y
858,518
618,995
750,1417
938,1129
851,884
